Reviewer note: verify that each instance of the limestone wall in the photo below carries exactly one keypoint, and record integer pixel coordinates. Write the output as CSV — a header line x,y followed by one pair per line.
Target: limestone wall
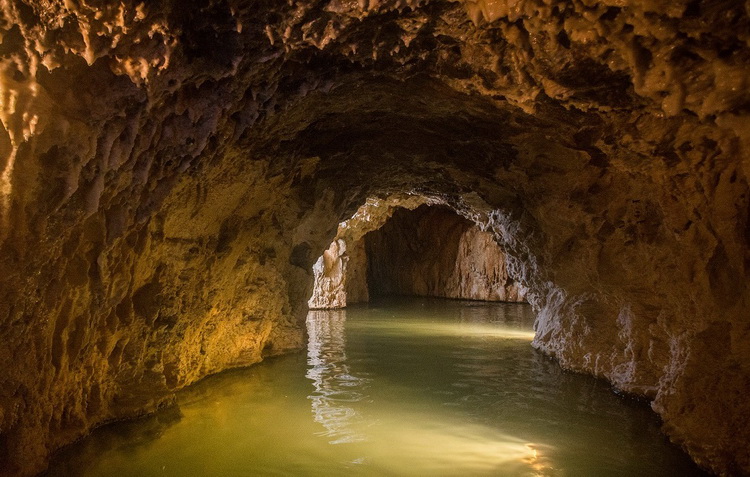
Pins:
x,y
169,175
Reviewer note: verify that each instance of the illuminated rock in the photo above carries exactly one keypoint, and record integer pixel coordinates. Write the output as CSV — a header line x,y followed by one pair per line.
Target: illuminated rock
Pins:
x,y
169,175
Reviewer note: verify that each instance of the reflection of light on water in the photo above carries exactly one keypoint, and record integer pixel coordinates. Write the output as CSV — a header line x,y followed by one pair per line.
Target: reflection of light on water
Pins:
x,y
397,438
406,441
334,384
472,329
538,464
468,446
428,406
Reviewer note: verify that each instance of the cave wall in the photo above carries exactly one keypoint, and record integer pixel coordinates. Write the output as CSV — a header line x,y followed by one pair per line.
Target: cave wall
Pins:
x,y
431,251
340,276
169,175
397,247
357,290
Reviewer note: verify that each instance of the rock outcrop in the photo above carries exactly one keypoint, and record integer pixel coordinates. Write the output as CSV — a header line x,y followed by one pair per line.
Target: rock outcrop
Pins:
x,y
331,278
431,251
340,274
169,174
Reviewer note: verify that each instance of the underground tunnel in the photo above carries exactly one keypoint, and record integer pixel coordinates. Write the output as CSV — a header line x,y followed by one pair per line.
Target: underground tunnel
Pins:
x,y
170,176
429,251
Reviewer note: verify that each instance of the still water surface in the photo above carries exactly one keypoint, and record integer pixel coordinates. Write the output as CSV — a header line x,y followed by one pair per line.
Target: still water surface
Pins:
x,y
415,387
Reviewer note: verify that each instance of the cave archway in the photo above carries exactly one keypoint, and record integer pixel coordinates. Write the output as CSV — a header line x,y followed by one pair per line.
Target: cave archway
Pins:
x,y
432,251
403,246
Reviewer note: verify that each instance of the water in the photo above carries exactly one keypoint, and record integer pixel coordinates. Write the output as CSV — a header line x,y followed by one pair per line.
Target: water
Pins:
x,y
413,387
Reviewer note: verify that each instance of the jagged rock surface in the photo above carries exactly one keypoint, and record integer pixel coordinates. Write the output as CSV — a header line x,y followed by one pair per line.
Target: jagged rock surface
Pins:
x,y
435,253
169,173
431,251
330,278
340,274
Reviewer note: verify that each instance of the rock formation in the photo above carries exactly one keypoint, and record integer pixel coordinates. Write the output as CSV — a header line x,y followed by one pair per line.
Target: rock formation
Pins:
x,y
331,278
169,173
428,252
431,251
340,276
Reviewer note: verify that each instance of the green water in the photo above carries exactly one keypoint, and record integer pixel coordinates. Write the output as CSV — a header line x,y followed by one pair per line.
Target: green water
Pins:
x,y
407,387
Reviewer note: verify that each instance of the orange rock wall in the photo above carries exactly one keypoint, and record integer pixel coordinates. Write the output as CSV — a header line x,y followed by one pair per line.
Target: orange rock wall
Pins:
x,y
169,176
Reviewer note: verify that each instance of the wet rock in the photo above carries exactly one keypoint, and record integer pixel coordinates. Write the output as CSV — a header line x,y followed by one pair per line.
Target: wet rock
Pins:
x,y
169,174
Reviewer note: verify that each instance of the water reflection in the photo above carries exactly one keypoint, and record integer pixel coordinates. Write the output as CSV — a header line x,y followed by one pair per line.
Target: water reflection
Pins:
x,y
399,435
335,386
411,388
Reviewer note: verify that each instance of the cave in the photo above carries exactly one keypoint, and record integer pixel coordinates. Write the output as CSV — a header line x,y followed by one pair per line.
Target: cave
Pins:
x,y
410,248
433,252
170,176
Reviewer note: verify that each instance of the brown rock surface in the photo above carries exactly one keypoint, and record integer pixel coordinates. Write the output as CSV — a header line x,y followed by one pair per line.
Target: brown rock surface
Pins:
x,y
431,251
428,252
169,173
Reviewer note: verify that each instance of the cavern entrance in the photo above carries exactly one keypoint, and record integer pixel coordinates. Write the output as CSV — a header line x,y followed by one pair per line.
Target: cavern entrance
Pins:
x,y
427,251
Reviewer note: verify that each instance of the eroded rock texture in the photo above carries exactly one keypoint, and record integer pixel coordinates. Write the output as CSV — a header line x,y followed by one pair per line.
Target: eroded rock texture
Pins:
x,y
169,172
340,274
431,251
330,278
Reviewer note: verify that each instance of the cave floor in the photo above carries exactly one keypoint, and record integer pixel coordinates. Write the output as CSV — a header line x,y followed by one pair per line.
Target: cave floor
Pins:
x,y
400,387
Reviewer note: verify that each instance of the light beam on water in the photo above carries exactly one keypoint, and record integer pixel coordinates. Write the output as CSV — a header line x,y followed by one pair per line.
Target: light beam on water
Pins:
x,y
410,387
396,437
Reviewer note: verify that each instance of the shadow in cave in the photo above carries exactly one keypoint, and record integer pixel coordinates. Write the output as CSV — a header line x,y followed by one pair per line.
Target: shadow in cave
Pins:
x,y
413,250
123,437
